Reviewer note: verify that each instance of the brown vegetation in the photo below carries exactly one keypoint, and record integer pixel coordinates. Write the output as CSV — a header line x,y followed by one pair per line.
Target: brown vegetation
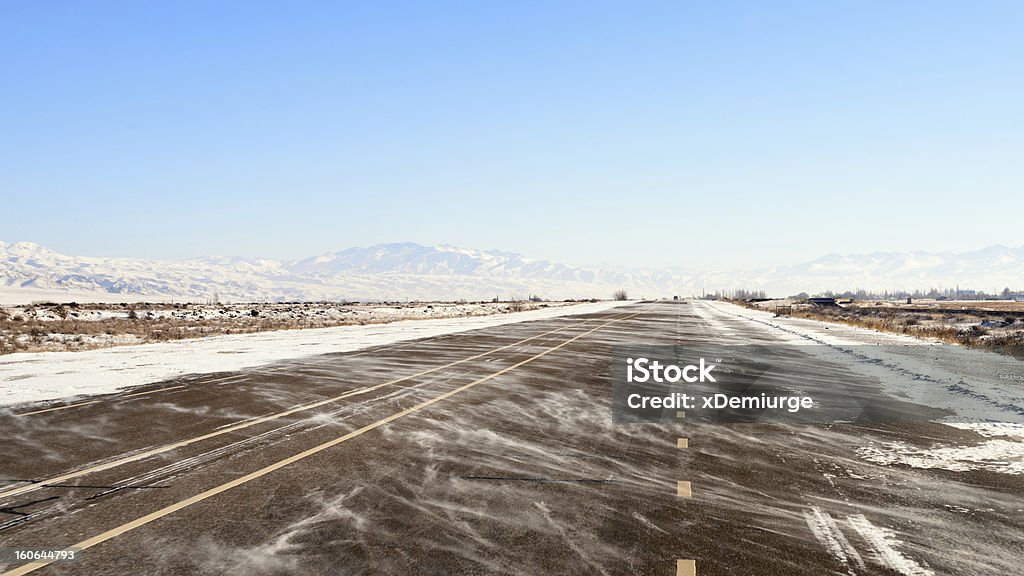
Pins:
x,y
45,327
954,323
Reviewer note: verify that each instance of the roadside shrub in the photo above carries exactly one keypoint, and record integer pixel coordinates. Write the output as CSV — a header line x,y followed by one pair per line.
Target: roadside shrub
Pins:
x,y
620,295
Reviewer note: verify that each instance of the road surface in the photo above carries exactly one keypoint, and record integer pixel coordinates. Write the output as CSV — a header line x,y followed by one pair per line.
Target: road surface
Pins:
x,y
488,452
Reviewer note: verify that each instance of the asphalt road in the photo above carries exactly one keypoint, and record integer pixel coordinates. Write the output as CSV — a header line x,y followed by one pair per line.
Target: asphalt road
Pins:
x,y
485,452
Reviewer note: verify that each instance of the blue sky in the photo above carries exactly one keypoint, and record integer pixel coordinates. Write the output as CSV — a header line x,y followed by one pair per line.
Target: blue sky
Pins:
x,y
695,134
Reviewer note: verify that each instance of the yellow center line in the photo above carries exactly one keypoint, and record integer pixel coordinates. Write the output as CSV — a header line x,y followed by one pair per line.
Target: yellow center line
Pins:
x,y
152,391
142,521
54,409
98,401
253,422
58,408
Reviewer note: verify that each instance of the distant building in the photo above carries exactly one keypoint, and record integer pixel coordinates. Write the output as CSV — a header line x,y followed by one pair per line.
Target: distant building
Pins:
x,y
823,301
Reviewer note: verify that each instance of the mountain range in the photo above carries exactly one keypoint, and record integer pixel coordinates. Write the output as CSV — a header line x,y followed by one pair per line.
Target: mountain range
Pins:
x,y
408,271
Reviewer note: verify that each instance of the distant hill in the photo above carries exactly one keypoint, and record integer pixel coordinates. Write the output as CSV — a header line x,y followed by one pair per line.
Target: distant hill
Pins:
x,y
403,271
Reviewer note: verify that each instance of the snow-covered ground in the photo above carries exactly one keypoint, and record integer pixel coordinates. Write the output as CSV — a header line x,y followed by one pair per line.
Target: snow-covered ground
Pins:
x,y
38,376
325,311
52,327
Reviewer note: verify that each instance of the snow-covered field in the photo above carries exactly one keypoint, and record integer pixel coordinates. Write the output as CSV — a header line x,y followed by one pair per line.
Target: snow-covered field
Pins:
x,y
52,327
38,376
327,311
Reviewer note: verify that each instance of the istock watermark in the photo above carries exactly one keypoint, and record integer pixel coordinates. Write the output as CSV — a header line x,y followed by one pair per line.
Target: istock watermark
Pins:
x,y
753,383
644,370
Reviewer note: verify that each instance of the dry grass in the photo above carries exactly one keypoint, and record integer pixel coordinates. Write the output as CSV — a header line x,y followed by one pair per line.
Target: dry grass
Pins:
x,y
23,335
517,306
996,305
50,327
963,327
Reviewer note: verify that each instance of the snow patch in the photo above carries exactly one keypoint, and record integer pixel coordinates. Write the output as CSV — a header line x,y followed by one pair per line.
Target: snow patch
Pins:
x,y
996,455
883,545
825,529
991,429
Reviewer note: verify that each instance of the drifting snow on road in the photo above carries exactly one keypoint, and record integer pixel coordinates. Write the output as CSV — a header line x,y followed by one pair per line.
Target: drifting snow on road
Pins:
x,y
983,390
975,385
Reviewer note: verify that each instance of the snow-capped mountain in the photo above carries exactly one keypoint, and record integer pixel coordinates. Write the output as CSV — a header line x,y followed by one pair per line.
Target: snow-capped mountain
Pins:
x,y
990,269
411,271
444,260
382,272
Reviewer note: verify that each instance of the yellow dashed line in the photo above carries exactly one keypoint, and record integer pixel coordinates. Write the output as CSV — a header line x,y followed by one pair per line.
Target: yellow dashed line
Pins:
x,y
58,408
683,489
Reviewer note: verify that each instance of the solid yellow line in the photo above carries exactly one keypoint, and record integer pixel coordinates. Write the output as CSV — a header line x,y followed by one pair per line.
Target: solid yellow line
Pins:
x,y
114,532
151,391
97,401
58,408
248,423
225,380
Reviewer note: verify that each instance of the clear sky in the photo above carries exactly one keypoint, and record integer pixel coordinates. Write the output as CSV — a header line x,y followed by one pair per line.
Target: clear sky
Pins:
x,y
695,134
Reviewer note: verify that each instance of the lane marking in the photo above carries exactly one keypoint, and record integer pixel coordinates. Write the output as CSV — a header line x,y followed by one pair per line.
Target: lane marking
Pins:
x,y
253,422
58,408
54,409
221,380
152,391
683,489
142,521
683,567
